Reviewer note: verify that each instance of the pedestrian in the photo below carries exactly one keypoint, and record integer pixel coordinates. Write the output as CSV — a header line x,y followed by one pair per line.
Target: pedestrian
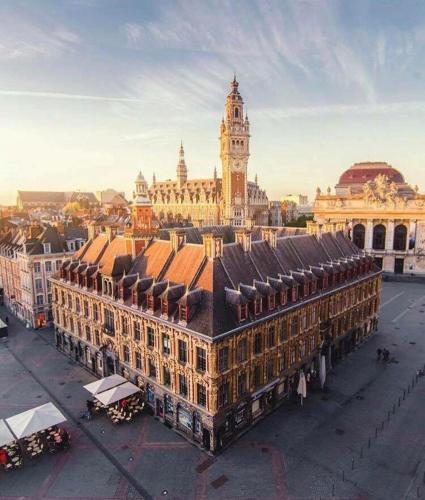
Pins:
x,y
378,354
386,355
90,408
7,320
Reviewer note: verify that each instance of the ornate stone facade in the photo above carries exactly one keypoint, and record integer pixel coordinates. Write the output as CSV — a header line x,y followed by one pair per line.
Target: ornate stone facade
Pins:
x,y
231,199
214,333
384,216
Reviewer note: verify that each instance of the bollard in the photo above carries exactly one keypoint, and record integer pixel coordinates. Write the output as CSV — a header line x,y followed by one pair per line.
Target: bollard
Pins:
x,y
352,464
376,432
343,476
333,489
404,395
388,416
368,443
382,427
399,400
393,409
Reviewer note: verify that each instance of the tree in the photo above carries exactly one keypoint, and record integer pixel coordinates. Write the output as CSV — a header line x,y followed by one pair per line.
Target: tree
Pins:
x,y
300,222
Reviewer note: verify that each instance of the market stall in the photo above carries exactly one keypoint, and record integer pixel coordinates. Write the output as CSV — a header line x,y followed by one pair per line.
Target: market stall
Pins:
x,y
10,451
3,329
105,384
123,402
30,434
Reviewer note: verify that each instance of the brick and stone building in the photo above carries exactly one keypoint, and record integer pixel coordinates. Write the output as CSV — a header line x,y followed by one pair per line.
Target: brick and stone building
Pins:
x,y
28,257
231,199
380,212
214,333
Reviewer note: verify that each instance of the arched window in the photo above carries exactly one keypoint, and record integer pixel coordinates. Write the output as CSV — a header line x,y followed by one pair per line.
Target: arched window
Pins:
x,y
379,237
359,232
236,113
400,237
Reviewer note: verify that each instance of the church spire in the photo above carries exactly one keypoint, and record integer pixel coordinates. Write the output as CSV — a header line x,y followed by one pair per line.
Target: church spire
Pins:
x,y
181,166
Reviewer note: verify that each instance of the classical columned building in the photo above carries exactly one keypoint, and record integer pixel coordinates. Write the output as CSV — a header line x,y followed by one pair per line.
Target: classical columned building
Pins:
x,y
230,199
380,212
215,334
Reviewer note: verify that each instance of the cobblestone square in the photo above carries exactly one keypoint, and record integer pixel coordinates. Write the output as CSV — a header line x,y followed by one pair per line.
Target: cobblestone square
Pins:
x,y
356,441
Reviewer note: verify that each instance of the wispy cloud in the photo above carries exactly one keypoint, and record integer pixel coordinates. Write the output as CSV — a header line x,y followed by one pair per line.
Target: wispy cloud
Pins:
x,y
354,109
21,39
60,95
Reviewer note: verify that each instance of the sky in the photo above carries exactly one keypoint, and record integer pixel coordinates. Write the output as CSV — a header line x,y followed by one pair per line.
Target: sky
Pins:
x,y
92,91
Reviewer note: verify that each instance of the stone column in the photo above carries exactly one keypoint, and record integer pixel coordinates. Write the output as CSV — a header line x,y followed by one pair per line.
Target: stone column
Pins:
x,y
389,239
369,235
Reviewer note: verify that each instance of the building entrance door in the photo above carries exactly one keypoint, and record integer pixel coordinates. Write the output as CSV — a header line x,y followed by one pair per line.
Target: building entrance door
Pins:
x,y
398,266
110,366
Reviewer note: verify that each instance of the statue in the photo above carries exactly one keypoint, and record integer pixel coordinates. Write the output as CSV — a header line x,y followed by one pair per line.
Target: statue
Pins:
x,y
318,191
368,191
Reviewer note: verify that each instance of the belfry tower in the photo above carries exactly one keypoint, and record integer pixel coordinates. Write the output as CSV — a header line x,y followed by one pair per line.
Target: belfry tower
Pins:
x,y
181,167
234,154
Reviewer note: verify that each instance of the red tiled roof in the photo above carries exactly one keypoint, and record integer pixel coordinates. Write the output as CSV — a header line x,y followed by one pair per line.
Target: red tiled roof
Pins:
x,y
94,249
359,173
153,260
185,264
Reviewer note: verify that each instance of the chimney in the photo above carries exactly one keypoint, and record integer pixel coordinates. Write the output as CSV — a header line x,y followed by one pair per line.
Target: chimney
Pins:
x,y
244,238
110,232
91,231
269,234
213,245
249,223
177,238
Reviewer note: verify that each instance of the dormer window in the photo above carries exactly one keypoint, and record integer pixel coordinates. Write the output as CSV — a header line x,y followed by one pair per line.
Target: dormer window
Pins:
x,y
46,247
151,302
257,306
272,301
164,307
325,282
294,294
135,298
184,313
314,287
243,312
305,290
283,298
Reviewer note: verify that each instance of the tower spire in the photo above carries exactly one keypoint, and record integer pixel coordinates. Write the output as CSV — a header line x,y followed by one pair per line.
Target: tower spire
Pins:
x,y
181,166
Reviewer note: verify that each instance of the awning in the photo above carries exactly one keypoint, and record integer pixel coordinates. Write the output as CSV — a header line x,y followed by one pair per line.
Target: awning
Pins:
x,y
268,387
6,436
35,420
105,384
117,393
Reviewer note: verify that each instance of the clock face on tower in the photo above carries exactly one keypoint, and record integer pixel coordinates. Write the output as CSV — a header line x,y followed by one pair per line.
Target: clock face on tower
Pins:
x,y
238,166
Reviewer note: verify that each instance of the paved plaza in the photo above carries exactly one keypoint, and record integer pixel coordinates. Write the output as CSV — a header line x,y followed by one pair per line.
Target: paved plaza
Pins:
x,y
365,438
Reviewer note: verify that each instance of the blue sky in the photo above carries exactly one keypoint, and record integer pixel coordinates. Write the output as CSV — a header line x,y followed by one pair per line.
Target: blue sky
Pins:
x,y
91,91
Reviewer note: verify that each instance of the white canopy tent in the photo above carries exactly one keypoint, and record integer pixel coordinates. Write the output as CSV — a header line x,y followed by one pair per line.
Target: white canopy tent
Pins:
x,y
117,393
35,420
105,384
6,436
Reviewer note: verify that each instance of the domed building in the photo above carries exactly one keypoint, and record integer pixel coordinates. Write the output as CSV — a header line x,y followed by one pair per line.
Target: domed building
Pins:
x,y
380,212
353,179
